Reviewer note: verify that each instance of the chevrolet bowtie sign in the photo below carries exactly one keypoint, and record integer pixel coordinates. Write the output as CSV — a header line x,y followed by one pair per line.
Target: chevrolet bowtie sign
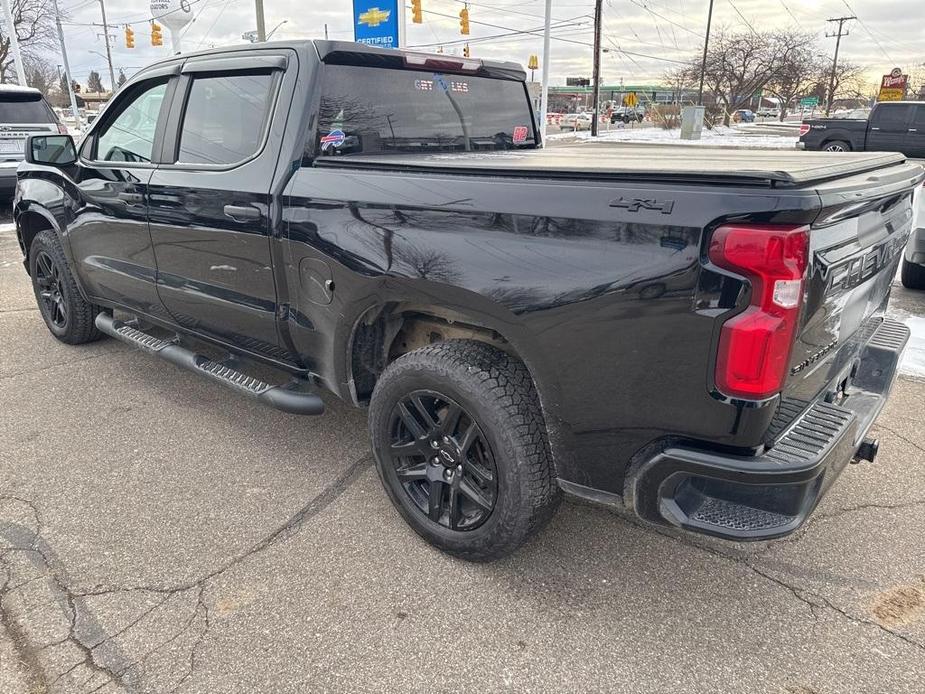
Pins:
x,y
375,22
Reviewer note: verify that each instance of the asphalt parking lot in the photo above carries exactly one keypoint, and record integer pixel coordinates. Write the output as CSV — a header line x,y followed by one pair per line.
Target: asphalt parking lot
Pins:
x,y
158,534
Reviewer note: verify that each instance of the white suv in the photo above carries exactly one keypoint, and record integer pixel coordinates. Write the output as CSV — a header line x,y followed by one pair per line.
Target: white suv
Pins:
x,y
23,112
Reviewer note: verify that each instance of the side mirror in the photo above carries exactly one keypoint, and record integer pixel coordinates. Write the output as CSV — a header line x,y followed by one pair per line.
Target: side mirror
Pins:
x,y
51,150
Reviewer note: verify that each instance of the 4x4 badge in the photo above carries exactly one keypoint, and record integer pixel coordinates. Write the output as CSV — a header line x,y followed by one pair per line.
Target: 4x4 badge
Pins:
x,y
636,204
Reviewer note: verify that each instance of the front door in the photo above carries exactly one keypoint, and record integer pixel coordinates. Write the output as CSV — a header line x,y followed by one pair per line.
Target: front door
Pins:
x,y
888,126
109,236
209,202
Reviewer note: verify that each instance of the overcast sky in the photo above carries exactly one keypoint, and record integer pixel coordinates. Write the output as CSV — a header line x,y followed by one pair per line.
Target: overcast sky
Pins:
x,y
650,33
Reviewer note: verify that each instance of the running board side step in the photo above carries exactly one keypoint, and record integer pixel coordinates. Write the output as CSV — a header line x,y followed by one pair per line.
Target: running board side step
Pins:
x,y
277,397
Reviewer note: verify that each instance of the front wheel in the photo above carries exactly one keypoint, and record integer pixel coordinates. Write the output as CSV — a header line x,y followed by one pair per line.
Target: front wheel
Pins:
x,y
67,314
836,146
461,448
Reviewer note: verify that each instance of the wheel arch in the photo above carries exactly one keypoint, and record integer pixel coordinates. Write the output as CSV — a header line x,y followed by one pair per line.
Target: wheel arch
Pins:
x,y
30,221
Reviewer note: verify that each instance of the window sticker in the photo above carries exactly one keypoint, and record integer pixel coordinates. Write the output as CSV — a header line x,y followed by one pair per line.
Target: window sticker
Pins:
x,y
334,139
520,134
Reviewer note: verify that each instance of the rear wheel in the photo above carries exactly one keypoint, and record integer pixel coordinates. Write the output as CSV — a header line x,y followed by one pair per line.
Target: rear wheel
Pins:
x,y
461,448
836,146
67,314
912,275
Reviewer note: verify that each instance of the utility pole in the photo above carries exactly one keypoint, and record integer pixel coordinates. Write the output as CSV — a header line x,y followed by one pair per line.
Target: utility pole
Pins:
x,y
67,67
14,44
544,93
112,75
596,76
703,64
261,25
837,35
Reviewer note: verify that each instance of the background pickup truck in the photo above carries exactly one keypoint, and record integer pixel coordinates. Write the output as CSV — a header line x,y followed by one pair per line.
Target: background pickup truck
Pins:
x,y
897,126
700,339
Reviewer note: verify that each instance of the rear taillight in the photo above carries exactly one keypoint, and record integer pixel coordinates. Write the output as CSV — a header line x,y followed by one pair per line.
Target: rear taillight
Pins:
x,y
62,129
805,128
754,346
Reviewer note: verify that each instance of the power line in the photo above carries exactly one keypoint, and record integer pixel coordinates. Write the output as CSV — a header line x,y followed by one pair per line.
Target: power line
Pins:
x,y
841,21
742,16
869,32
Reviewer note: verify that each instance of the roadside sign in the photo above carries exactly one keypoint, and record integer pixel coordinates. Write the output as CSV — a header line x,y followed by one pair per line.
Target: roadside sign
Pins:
x,y
809,101
375,22
893,86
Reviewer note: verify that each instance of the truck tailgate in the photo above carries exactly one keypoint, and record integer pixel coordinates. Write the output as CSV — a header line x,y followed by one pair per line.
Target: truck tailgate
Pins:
x,y
856,244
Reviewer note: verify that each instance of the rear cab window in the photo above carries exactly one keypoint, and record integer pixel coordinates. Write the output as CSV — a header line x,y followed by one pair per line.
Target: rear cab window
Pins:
x,y
372,110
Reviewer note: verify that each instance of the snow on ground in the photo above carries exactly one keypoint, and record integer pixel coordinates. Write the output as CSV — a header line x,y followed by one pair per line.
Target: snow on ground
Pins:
x,y
913,361
747,136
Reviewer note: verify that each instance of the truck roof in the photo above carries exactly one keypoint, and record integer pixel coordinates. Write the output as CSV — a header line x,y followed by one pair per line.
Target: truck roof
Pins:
x,y
629,162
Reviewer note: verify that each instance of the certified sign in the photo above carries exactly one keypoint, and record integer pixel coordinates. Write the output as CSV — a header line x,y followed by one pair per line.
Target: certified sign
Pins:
x,y
375,22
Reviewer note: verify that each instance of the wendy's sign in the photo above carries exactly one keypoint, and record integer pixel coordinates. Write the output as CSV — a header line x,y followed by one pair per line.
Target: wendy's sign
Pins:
x,y
893,86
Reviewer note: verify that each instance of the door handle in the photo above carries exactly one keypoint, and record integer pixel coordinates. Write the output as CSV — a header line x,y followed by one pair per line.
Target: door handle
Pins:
x,y
875,128
913,130
132,197
242,213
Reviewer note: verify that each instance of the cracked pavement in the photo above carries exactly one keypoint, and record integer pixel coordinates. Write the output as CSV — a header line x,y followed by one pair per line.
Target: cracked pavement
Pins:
x,y
158,534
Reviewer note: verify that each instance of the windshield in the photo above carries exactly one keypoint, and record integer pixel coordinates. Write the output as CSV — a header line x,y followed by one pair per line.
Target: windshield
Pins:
x,y
24,108
377,110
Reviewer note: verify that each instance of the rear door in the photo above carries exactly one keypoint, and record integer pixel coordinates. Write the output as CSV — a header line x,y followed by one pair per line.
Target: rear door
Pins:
x,y
915,135
209,201
888,127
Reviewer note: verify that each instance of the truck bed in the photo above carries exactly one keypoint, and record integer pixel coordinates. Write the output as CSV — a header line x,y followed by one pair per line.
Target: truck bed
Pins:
x,y
638,162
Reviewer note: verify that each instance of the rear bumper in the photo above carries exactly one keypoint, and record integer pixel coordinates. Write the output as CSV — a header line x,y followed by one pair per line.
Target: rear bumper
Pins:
x,y
770,495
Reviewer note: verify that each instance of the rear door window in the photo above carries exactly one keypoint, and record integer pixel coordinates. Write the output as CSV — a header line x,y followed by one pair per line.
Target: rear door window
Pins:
x,y
891,117
375,110
25,108
225,118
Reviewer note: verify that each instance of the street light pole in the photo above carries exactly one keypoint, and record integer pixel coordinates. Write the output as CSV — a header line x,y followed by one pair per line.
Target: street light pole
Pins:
x,y
597,65
703,64
67,67
261,26
112,75
544,98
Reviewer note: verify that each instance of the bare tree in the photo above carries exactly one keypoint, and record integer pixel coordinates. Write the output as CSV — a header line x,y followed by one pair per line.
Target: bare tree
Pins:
x,y
42,75
798,69
850,82
33,21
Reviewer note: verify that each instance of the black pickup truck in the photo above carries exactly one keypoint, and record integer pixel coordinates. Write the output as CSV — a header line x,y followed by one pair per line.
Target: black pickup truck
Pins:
x,y
695,335
893,126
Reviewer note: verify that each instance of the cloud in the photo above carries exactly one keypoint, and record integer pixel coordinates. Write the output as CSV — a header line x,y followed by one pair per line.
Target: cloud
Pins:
x,y
641,36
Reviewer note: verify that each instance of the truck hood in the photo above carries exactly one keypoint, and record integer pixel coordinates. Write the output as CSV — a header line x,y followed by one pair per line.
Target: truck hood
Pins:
x,y
639,162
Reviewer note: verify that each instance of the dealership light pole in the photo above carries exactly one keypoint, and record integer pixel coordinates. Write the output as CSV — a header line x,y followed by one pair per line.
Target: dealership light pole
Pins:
x,y
14,43
67,67
112,75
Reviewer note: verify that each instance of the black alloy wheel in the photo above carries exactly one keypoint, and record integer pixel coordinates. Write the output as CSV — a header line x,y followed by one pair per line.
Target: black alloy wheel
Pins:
x,y
443,460
50,289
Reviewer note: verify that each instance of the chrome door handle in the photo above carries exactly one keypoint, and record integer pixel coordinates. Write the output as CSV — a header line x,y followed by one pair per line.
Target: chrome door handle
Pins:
x,y
875,128
242,213
913,130
132,197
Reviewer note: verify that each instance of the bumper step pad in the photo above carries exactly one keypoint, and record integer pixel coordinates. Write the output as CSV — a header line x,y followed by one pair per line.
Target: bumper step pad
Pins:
x,y
286,399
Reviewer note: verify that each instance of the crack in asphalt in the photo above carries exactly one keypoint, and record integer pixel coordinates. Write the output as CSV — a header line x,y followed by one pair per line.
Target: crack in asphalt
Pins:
x,y
118,668
901,437
800,593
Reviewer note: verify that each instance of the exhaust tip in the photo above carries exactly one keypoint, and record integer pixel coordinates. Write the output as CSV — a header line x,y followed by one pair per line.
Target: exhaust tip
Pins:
x,y
867,450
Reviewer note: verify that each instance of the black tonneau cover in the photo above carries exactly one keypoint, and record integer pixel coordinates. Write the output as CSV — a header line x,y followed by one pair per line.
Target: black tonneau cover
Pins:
x,y
638,162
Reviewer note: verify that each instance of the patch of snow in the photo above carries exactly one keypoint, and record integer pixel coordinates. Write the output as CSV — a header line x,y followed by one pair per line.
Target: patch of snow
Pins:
x,y
719,136
913,361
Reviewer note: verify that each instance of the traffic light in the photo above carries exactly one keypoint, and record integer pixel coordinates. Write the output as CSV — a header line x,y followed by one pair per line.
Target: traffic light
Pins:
x,y
466,50
157,39
416,12
464,21
129,36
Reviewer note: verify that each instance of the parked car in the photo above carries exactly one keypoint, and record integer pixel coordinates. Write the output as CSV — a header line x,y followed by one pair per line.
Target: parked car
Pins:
x,y
628,114
23,111
684,337
893,126
913,267
768,112
576,121
743,115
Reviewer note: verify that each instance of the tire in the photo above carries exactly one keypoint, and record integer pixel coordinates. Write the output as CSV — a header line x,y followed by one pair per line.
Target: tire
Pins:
x,y
912,275
496,401
68,316
836,146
